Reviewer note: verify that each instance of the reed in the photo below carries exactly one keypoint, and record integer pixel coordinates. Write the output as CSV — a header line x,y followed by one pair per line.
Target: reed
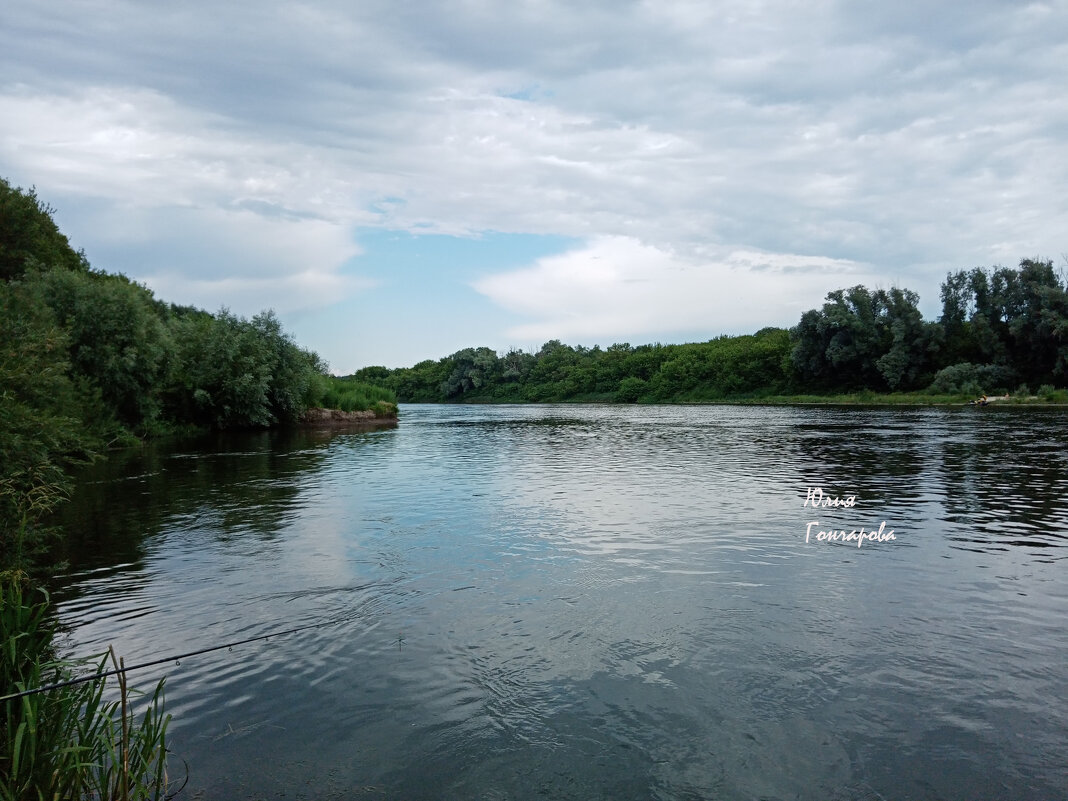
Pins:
x,y
93,740
350,396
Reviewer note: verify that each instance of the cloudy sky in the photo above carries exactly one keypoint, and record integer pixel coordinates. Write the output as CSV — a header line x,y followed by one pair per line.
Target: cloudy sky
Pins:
x,y
400,179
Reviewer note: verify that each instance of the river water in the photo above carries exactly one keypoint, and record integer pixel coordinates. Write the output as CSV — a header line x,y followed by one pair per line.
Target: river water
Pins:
x,y
587,602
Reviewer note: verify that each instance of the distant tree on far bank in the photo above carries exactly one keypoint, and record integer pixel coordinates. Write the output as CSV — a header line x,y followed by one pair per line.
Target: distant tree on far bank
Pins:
x,y
998,327
865,340
1013,319
721,368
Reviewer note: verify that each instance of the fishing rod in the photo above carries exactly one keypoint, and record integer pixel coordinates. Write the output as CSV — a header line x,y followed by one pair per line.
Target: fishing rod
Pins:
x,y
177,659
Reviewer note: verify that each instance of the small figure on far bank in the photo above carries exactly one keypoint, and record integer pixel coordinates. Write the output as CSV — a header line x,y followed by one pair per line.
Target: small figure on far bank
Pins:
x,y
980,402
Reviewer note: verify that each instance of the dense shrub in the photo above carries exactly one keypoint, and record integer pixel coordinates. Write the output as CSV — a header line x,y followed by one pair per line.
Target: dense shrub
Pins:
x,y
630,389
971,379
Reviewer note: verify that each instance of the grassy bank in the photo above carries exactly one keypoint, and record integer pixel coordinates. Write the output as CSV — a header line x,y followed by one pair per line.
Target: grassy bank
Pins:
x,y
1058,398
1052,397
351,395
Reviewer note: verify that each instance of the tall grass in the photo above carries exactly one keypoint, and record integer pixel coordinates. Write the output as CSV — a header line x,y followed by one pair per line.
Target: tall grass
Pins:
x,y
356,396
78,741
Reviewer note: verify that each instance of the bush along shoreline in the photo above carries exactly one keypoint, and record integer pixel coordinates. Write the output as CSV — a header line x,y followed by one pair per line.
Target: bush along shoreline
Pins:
x,y
382,413
92,361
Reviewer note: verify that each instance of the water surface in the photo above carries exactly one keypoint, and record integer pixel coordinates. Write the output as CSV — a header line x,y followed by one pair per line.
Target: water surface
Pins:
x,y
581,602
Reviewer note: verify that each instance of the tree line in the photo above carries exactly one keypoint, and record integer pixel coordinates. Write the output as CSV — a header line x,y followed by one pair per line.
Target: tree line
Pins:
x,y
1001,330
90,360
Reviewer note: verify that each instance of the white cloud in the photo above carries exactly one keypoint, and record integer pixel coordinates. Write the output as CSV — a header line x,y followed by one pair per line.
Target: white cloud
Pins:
x,y
141,149
616,286
248,296
173,199
197,142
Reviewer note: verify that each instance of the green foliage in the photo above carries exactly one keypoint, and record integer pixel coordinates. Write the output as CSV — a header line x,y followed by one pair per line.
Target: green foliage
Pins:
x,y
89,360
351,395
29,236
293,370
119,345
472,369
418,384
372,375
384,409
1017,319
221,375
724,367
1015,322
839,345
133,364
630,389
224,372
1004,326
315,392
41,434
515,366
908,343
229,372
68,742
1048,392
862,339
971,379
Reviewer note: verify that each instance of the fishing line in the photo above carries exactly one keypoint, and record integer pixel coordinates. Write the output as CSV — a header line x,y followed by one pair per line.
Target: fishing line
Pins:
x,y
177,659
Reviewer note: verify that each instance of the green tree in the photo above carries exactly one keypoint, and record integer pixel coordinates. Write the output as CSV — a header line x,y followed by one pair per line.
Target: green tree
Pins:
x,y
839,345
908,343
550,376
293,370
864,340
610,368
119,344
958,306
472,369
630,389
988,328
420,383
29,237
41,433
373,375
1036,308
516,365
1014,319
223,376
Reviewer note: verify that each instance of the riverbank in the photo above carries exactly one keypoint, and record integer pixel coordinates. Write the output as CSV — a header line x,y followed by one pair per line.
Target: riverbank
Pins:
x,y
1058,398
1055,399
381,413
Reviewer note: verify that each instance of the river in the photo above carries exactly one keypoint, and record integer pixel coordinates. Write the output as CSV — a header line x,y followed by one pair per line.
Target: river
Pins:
x,y
586,602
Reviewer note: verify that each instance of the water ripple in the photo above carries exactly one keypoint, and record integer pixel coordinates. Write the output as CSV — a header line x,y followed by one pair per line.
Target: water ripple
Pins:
x,y
589,601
